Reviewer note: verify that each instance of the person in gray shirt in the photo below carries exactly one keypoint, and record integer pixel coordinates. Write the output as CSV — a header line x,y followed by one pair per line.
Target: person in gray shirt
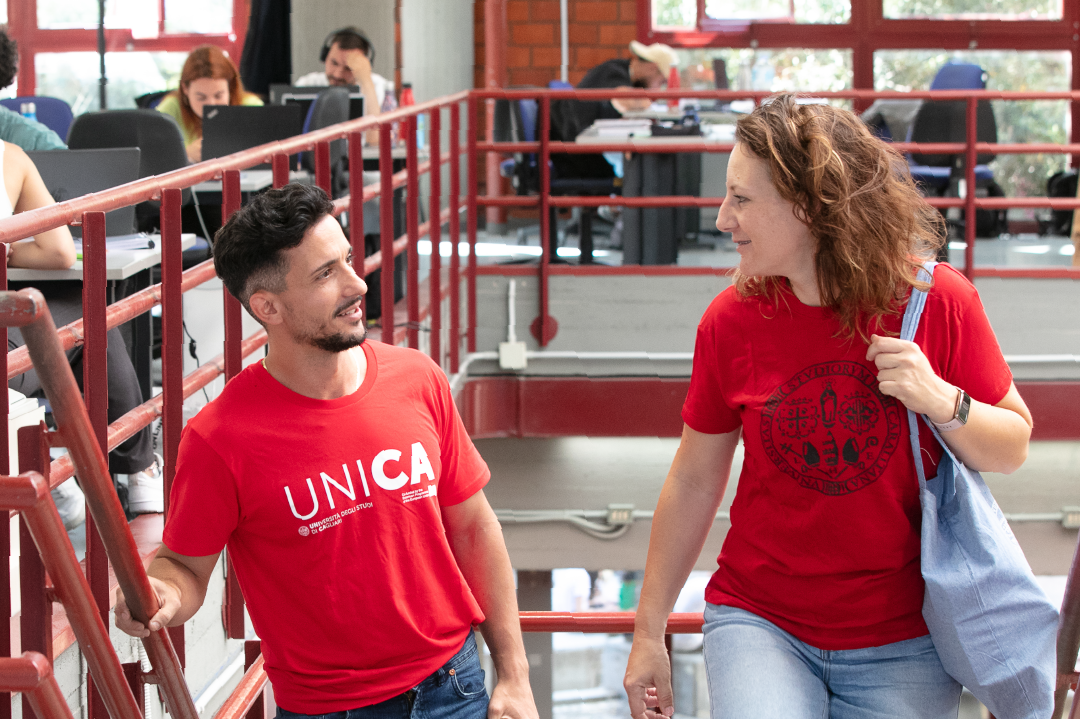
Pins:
x,y
14,128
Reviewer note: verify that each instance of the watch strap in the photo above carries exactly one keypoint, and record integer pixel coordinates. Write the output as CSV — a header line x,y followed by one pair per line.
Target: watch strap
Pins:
x,y
960,413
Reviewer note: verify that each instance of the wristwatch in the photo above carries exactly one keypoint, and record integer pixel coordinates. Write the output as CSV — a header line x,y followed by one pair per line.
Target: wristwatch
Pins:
x,y
960,413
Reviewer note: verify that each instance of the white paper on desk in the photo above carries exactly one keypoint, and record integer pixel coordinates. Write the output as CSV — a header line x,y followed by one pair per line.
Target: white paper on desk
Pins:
x,y
622,127
137,241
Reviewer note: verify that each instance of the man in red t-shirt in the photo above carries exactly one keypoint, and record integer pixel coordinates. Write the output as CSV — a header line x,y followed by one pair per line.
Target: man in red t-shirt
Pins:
x,y
342,480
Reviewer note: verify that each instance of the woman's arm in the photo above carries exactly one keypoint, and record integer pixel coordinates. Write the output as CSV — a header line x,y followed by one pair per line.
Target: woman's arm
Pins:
x,y
50,250
684,515
995,438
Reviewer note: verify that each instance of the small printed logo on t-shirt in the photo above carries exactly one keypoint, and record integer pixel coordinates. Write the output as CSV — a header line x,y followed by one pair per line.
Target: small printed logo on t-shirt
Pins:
x,y
421,478
830,428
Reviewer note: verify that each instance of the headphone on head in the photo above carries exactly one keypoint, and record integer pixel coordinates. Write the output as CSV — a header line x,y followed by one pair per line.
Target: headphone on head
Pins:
x,y
346,31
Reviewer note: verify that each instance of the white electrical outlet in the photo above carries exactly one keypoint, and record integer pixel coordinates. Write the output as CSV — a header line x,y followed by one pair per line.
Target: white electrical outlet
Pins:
x,y
512,355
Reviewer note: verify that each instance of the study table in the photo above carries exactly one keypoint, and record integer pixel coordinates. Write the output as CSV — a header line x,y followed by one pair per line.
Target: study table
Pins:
x,y
133,265
650,236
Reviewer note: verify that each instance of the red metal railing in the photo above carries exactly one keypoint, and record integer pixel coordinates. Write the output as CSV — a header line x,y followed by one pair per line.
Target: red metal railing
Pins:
x,y
545,147
115,541
86,448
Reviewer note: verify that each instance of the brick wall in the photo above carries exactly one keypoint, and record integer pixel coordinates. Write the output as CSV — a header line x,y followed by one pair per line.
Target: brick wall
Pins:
x,y
599,30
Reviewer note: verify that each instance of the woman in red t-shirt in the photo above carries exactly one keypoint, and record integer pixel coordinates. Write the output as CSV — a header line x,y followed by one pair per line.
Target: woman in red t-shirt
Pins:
x,y
815,608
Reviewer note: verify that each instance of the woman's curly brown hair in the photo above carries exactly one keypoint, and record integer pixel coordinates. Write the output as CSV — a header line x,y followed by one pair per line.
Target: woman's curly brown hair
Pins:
x,y
871,226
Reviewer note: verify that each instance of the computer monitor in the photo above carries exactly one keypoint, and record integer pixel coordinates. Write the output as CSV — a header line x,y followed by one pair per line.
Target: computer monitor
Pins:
x,y
304,96
232,128
73,173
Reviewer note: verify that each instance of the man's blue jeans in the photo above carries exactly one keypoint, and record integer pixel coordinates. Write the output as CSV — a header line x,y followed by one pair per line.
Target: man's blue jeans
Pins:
x,y
758,671
454,691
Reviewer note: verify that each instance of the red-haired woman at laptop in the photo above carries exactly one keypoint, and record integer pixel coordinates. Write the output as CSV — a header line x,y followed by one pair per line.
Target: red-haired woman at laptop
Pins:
x,y
209,77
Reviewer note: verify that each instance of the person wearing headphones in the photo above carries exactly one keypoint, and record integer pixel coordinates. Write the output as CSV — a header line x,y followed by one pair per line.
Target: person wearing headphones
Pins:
x,y
347,54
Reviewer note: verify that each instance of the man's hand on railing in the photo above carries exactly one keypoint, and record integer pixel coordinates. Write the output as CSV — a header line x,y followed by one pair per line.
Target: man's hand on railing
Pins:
x,y
168,604
648,680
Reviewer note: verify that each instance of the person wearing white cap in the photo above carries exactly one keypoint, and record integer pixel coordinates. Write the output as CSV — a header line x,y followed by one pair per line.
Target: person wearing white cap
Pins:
x,y
647,67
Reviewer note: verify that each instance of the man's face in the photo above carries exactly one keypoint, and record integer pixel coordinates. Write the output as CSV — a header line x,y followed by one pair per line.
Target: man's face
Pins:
x,y
337,69
646,74
321,300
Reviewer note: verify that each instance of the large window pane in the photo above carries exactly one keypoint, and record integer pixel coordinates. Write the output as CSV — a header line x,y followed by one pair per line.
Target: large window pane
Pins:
x,y
773,70
139,15
748,9
974,9
73,76
198,16
674,13
1031,121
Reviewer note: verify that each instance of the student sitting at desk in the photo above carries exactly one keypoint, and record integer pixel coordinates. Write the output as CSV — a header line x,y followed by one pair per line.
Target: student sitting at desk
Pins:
x,y
209,77
22,131
23,190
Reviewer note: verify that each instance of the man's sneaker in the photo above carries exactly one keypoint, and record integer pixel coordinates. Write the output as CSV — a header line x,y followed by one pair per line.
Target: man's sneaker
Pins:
x,y
70,503
146,489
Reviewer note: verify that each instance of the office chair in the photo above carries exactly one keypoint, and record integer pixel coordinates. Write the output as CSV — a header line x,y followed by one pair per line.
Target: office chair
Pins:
x,y
156,134
150,100
52,112
516,121
331,106
946,121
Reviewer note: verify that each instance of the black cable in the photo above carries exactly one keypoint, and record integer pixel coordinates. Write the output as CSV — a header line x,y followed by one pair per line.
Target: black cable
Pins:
x,y
194,354
202,222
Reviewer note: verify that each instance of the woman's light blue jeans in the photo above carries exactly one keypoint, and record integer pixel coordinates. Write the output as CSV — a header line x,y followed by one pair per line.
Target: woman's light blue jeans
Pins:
x,y
758,671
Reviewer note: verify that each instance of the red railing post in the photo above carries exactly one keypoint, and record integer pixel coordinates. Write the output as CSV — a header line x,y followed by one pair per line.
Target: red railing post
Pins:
x,y
970,158
386,231
252,653
35,622
546,246
435,234
472,189
172,333
279,165
356,207
96,394
233,606
454,230
412,219
322,166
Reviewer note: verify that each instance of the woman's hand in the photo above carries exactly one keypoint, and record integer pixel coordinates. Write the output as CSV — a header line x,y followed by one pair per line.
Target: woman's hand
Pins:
x,y
906,374
648,679
194,150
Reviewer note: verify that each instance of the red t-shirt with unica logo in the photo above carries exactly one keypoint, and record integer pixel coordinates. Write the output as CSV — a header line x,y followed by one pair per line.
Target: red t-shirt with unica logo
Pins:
x,y
824,538
331,513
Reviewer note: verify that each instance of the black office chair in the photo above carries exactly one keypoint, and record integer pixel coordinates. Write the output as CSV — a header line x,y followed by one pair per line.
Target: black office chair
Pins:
x,y
516,121
156,134
946,121
330,107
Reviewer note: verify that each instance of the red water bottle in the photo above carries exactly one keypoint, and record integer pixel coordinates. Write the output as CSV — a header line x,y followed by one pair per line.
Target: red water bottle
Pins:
x,y
673,83
407,99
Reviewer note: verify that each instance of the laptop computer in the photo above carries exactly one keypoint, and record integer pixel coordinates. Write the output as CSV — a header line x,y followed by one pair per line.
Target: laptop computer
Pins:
x,y
72,173
304,96
232,128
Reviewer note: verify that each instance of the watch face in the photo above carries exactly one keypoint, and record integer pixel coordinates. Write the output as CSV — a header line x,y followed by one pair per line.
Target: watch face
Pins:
x,y
965,407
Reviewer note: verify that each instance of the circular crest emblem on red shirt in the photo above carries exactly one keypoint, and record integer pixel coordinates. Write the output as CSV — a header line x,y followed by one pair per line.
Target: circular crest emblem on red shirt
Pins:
x,y
830,428
304,531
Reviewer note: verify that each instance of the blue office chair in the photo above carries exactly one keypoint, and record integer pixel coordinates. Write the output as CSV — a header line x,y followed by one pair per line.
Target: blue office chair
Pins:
x,y
52,112
946,121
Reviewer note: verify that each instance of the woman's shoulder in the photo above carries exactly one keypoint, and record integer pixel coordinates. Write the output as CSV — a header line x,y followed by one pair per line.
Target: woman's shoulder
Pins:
x,y
170,104
251,100
951,286
726,305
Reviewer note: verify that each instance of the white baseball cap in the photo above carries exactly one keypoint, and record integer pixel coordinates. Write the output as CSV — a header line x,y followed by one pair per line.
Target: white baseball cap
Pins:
x,y
660,54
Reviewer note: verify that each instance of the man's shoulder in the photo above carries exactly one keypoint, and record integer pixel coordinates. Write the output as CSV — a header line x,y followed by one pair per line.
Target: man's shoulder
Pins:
x,y
312,79
27,134
610,73
403,360
234,403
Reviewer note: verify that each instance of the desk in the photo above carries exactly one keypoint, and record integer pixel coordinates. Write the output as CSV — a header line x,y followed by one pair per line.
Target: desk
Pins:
x,y
134,265
651,236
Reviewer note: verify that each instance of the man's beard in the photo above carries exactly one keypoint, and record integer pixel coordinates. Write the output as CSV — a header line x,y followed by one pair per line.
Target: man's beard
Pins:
x,y
338,342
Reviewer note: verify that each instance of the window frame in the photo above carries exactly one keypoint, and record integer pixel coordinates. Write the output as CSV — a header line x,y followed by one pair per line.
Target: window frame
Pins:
x,y
22,25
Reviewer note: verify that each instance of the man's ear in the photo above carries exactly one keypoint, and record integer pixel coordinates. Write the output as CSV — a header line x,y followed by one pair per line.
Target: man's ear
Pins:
x,y
265,307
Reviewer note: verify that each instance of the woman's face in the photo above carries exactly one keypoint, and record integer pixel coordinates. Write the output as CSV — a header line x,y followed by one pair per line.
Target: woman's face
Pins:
x,y
769,238
206,91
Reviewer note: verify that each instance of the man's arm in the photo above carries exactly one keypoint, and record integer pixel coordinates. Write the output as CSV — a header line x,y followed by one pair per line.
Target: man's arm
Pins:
x,y
360,67
476,540
180,584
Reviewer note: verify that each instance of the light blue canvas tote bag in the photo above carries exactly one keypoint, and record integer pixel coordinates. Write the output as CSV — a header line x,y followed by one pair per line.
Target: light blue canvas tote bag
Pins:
x,y
992,625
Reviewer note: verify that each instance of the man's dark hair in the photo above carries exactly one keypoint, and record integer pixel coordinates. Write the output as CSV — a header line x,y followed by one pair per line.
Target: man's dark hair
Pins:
x,y
249,250
9,58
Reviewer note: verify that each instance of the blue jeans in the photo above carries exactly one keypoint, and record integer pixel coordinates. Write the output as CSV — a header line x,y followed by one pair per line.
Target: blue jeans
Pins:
x,y
758,671
454,691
